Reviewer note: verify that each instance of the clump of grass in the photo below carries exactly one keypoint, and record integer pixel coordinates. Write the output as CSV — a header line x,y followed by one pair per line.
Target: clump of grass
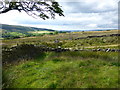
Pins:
x,y
56,60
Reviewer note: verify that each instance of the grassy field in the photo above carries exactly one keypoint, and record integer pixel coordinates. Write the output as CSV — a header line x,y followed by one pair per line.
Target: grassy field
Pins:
x,y
64,70
70,69
67,40
39,32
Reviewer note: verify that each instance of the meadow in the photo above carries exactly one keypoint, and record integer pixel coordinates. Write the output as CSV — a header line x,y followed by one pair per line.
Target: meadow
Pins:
x,y
64,70
68,39
28,67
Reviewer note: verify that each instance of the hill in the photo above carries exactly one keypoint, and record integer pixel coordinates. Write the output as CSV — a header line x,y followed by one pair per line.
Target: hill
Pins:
x,y
22,29
14,31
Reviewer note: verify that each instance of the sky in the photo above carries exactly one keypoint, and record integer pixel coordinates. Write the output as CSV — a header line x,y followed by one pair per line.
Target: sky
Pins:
x,y
79,15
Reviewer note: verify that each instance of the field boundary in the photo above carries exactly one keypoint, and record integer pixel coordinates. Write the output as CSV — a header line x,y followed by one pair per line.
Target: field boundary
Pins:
x,y
59,49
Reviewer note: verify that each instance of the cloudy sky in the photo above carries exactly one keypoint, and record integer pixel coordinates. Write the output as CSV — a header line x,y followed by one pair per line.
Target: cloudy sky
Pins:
x,y
79,15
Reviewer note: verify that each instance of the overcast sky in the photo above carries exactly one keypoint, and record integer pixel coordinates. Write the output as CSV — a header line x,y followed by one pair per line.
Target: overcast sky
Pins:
x,y
79,15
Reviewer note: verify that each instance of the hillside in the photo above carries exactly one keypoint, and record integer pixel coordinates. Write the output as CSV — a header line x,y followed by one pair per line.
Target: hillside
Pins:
x,y
14,31
22,29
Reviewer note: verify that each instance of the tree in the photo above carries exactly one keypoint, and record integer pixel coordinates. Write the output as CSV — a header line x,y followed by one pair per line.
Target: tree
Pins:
x,y
40,8
56,32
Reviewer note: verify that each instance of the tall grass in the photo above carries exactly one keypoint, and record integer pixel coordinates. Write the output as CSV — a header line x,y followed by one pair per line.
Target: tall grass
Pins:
x,y
64,70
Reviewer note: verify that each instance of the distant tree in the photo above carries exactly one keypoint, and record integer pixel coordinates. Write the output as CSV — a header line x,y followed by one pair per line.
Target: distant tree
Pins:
x,y
44,9
56,32
50,33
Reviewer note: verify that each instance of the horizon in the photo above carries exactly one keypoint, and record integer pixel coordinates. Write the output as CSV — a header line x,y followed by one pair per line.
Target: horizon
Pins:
x,y
66,30
79,15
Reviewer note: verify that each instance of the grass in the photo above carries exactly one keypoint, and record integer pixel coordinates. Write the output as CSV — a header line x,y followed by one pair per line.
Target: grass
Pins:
x,y
64,70
100,41
82,43
40,32
74,69
67,39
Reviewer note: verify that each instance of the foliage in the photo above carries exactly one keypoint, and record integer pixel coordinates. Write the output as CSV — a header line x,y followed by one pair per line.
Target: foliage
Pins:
x,y
12,35
43,9
56,32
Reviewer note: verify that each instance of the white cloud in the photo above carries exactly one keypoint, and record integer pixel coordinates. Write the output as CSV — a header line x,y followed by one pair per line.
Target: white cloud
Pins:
x,y
87,14
88,6
92,25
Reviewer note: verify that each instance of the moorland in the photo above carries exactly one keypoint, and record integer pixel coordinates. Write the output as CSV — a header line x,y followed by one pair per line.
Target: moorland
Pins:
x,y
86,59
